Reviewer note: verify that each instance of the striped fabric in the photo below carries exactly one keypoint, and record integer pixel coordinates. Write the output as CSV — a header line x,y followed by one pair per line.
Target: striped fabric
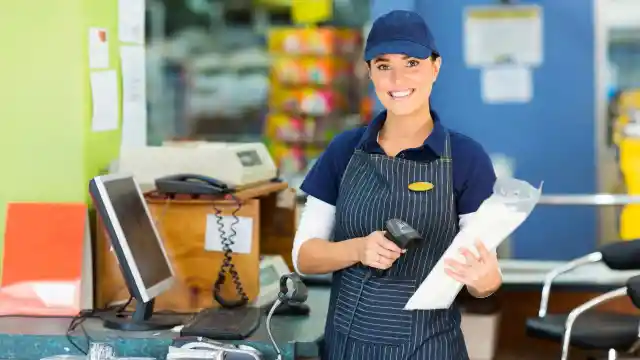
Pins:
x,y
366,318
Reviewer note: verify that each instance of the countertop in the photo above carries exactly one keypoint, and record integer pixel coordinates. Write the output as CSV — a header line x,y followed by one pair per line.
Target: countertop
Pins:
x,y
32,338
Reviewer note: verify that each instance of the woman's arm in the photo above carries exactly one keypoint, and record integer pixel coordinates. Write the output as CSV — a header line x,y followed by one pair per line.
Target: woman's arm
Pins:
x,y
313,253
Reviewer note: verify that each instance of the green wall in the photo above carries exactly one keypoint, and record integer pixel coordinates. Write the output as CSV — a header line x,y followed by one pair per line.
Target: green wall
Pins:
x,y
102,147
48,152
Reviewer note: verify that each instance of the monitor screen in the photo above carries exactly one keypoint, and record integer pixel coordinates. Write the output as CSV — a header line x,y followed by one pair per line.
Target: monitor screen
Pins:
x,y
139,234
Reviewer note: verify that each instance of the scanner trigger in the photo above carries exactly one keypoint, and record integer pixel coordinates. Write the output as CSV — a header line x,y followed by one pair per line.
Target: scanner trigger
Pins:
x,y
401,233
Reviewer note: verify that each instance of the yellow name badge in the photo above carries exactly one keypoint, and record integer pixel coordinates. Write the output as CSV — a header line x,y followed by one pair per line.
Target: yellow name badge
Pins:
x,y
420,186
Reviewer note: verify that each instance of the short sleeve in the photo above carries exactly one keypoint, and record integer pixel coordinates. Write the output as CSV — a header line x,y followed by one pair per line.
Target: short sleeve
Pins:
x,y
323,180
479,179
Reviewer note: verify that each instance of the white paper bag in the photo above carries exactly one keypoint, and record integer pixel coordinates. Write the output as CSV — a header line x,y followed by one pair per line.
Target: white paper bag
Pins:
x,y
498,216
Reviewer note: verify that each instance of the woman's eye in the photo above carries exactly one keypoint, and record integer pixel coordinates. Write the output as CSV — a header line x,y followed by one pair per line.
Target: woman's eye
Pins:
x,y
383,67
412,63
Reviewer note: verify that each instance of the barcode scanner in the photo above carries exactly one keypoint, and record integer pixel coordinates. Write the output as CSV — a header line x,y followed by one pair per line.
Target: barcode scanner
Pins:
x,y
292,291
401,234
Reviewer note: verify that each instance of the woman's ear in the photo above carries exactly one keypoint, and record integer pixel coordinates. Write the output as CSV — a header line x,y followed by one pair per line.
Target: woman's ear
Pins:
x,y
437,63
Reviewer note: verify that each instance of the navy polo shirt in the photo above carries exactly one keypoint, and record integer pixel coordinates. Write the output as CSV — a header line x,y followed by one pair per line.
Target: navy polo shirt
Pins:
x,y
473,174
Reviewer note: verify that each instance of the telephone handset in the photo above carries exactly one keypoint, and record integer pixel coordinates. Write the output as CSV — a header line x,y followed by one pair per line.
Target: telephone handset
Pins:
x,y
191,184
198,185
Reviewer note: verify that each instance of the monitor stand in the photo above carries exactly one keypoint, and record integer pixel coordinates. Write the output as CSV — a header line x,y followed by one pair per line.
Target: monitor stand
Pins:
x,y
140,320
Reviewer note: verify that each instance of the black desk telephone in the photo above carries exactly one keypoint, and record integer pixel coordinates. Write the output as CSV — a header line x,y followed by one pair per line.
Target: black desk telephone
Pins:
x,y
235,320
191,184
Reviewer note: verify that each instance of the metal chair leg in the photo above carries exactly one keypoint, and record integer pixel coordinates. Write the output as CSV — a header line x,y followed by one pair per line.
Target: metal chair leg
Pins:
x,y
573,315
635,347
612,355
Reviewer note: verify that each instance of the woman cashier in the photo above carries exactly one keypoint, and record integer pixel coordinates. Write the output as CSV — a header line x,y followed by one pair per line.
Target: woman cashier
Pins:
x,y
406,164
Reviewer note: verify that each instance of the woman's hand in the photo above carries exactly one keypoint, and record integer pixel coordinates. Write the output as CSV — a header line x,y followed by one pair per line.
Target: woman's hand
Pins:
x,y
481,274
377,251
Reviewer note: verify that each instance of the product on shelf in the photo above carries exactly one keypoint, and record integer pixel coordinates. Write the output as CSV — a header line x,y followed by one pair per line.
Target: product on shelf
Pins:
x,y
313,41
306,100
303,130
310,70
294,159
290,159
628,111
311,95
366,109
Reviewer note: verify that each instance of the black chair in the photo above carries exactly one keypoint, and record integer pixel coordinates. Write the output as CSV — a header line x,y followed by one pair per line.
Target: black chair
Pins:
x,y
594,330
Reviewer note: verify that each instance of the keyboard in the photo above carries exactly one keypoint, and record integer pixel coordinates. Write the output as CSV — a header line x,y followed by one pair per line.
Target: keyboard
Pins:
x,y
223,324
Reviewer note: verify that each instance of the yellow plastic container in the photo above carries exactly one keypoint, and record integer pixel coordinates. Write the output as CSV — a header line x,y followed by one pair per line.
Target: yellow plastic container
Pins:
x,y
630,165
629,147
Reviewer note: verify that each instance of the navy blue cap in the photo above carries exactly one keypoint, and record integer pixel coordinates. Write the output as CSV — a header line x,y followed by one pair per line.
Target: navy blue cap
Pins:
x,y
400,32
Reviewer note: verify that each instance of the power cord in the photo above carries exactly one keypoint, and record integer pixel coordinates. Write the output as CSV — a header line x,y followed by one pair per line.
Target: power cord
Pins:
x,y
228,241
227,266
78,321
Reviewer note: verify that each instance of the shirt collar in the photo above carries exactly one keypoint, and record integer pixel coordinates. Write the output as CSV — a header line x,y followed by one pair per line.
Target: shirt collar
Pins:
x,y
435,141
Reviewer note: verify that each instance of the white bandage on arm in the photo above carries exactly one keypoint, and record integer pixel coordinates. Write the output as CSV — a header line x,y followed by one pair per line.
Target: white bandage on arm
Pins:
x,y
316,222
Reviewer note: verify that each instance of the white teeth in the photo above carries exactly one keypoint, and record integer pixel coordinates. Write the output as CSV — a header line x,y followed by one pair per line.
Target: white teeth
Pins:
x,y
400,94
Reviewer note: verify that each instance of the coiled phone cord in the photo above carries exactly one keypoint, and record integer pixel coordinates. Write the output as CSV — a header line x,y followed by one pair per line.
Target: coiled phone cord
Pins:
x,y
227,264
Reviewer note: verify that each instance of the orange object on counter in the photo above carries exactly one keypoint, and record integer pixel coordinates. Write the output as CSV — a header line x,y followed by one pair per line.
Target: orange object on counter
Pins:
x,y
43,259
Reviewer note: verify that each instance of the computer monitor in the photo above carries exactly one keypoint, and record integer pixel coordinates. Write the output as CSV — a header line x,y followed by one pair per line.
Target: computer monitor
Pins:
x,y
134,237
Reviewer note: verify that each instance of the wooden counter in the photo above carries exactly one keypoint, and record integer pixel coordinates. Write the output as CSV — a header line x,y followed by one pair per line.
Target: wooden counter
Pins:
x,y
183,223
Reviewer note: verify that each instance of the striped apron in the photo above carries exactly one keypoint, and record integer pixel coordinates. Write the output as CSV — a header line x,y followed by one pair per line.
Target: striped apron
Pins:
x,y
366,320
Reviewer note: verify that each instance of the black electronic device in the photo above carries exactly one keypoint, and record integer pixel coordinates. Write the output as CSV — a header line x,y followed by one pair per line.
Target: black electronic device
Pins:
x,y
235,320
292,291
223,324
401,233
289,309
191,184
136,243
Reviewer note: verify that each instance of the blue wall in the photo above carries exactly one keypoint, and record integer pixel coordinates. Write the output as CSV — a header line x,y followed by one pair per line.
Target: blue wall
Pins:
x,y
551,138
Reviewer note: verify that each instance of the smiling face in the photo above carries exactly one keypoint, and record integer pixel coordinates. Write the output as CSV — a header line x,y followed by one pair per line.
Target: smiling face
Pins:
x,y
403,84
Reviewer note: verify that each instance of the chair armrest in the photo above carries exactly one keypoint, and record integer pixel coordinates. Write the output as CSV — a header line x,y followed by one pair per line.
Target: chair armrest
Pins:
x,y
553,274
621,255
573,315
633,290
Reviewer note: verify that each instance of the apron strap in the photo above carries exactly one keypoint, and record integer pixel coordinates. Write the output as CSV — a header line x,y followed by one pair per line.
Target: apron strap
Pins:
x,y
446,157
